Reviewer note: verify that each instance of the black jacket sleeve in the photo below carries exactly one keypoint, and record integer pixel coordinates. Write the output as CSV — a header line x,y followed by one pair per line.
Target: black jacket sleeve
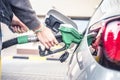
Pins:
x,y
23,10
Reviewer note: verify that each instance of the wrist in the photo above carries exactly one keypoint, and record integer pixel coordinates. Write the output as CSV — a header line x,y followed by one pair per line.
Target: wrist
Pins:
x,y
39,29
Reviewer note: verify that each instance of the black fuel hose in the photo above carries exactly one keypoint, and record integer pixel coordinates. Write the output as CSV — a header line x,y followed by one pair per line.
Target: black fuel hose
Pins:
x,y
9,43
19,40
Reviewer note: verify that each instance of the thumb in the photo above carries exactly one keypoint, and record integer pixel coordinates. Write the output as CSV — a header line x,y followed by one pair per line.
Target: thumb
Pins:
x,y
23,26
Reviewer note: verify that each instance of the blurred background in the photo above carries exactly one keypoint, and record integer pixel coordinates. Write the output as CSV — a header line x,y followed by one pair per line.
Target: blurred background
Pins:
x,y
79,11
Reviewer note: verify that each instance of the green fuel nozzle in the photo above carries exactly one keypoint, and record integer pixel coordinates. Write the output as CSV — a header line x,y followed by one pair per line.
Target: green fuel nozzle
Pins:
x,y
70,34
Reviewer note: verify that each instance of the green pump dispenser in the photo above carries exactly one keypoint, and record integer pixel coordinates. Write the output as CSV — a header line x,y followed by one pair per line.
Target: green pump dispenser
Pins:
x,y
70,34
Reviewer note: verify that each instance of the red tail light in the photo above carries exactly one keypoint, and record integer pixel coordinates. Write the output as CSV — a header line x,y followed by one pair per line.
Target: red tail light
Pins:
x,y
111,41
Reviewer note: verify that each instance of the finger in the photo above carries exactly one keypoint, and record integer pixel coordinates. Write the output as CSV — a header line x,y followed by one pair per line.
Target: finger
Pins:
x,y
55,41
52,43
12,27
43,41
22,30
18,29
25,29
48,42
15,29
46,45
23,26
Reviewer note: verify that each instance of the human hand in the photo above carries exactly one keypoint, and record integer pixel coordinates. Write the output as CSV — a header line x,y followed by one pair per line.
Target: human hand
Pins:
x,y
47,38
18,26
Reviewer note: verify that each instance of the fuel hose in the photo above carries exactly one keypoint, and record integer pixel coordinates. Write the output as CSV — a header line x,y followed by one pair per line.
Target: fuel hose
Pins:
x,y
19,40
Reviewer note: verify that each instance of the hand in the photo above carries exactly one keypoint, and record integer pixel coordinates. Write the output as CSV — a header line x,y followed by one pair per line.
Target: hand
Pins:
x,y
18,26
47,38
